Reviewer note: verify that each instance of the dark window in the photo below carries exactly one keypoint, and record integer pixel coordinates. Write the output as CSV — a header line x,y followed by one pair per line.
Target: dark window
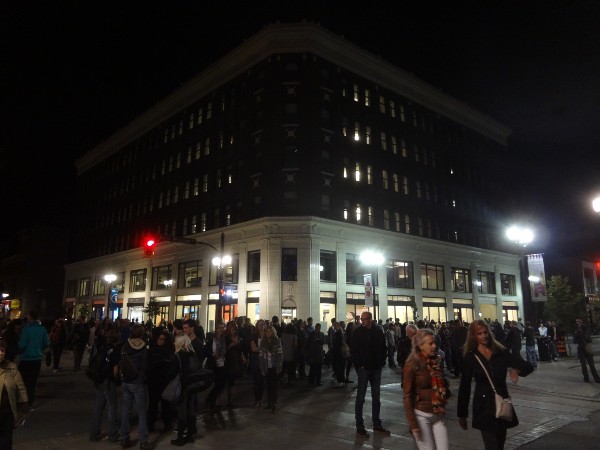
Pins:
x,y
461,280
355,270
254,266
190,274
161,276
400,274
137,281
508,283
289,264
71,288
486,282
432,277
328,266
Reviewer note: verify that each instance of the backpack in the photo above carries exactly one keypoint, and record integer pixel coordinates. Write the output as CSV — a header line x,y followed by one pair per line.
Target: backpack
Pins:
x,y
99,364
128,365
198,379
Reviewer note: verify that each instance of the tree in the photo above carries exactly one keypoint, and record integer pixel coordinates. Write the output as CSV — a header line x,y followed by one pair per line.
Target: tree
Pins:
x,y
83,310
563,304
153,308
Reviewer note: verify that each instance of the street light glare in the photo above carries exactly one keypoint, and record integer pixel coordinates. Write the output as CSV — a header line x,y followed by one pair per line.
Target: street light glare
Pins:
x,y
372,258
110,278
596,204
520,235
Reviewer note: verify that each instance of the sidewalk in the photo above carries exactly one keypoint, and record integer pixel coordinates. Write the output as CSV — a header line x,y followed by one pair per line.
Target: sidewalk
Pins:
x,y
555,407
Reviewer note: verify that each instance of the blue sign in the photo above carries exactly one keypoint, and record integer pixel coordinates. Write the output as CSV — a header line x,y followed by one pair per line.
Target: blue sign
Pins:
x,y
114,293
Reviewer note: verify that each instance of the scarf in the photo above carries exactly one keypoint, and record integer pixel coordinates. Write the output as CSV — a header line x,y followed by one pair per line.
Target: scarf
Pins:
x,y
438,386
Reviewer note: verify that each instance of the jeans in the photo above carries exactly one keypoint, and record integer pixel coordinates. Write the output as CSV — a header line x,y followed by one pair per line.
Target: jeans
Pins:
x,y
588,357
257,378
434,433
134,392
30,371
366,376
106,397
56,354
314,374
531,355
390,351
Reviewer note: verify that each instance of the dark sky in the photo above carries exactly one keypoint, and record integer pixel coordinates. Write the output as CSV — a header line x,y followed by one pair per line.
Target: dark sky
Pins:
x,y
72,73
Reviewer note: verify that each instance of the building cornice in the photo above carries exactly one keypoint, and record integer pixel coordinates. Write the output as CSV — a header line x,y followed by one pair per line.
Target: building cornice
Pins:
x,y
297,38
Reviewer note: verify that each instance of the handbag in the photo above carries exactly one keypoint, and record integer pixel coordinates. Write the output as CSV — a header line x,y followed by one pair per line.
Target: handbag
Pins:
x,y
172,392
504,406
345,351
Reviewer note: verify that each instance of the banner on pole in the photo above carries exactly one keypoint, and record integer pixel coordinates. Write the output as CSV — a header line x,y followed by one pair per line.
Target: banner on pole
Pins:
x,y
537,277
368,290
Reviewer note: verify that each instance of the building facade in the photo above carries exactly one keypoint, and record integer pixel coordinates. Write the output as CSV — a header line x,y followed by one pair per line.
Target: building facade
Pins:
x,y
299,126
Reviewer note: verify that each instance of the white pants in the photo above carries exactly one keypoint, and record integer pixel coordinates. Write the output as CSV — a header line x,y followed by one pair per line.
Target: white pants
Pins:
x,y
434,434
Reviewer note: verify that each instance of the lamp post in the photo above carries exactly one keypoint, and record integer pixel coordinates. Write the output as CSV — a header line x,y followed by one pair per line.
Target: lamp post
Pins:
x,y
523,236
4,297
372,259
220,262
110,278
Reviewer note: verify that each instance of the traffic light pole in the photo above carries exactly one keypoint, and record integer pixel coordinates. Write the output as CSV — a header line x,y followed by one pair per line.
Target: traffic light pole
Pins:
x,y
219,308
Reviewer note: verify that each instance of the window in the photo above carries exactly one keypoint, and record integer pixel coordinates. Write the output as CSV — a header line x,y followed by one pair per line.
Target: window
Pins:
x,y
405,185
356,131
369,174
381,104
406,223
383,141
355,270
209,111
99,286
328,265
588,281
368,135
403,148
461,280
253,266
289,264
137,280
357,172
394,145
396,183
190,274
84,287
386,219
392,108
161,276
397,222
486,282
366,97
384,177
432,277
370,216
400,274
356,92
508,284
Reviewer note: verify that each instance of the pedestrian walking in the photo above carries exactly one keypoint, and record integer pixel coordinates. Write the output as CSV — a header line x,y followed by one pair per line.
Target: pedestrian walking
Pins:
x,y
315,355
32,344
494,356
271,362
13,398
368,353
529,334
425,393
58,340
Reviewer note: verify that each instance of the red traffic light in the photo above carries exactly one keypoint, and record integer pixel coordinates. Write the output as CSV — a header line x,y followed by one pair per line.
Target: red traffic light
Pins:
x,y
149,244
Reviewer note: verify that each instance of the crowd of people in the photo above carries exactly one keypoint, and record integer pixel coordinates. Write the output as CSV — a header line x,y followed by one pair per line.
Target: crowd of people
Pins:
x,y
132,364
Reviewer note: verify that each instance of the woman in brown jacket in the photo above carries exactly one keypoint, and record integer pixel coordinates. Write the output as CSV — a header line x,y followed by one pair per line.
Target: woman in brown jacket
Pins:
x,y
425,393
13,399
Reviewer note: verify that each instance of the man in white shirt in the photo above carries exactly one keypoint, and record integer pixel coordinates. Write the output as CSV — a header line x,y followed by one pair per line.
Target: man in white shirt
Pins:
x,y
542,330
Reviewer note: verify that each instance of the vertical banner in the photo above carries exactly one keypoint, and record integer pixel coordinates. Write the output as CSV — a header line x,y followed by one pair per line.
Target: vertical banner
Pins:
x,y
537,277
368,290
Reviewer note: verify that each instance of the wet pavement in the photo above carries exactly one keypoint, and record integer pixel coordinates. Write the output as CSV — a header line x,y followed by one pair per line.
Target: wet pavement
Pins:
x,y
555,408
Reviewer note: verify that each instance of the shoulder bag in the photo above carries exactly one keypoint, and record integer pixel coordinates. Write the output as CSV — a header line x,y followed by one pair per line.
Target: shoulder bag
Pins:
x,y
504,406
172,392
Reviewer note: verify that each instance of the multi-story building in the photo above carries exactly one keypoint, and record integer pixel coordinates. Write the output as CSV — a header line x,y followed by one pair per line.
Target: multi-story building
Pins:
x,y
303,151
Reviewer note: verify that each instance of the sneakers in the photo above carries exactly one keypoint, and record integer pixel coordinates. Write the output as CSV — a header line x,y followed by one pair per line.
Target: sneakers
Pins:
x,y
339,385
179,442
362,432
381,429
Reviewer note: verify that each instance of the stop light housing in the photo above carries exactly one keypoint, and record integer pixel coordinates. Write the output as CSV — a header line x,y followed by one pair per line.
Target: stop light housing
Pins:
x,y
149,244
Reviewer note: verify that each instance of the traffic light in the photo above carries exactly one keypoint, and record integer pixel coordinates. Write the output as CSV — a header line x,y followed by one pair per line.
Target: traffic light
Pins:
x,y
149,244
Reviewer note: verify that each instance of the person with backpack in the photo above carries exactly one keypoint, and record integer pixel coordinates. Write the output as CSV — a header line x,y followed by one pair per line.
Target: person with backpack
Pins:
x,y
104,373
183,363
134,367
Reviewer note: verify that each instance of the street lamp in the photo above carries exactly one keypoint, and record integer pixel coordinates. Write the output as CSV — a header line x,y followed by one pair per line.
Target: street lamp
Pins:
x,y
373,259
220,262
596,204
523,236
110,278
168,283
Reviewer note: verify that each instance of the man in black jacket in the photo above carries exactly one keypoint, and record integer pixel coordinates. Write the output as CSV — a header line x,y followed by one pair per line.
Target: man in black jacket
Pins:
x,y
368,351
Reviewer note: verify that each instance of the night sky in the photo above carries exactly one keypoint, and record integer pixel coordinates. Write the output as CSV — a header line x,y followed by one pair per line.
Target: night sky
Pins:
x,y
73,73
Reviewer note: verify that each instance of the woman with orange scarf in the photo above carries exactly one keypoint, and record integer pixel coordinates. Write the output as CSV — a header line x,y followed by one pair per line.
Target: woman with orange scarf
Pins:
x,y
425,393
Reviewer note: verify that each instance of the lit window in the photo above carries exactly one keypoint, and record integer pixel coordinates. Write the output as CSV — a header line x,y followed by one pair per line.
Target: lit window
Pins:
x,y
196,186
356,92
345,172
383,141
202,222
404,150
366,97
207,146
370,214
406,223
369,175
392,108
205,183
381,104
221,140
194,224
397,221
384,176
356,131
386,219
358,213
418,186
189,155
357,172
191,121
345,213
405,185
394,145
368,135
199,116
402,114
198,149
395,181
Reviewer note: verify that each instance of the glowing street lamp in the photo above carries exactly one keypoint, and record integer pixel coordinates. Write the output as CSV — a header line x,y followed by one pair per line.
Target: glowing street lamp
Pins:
x,y
596,204
519,235
373,259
